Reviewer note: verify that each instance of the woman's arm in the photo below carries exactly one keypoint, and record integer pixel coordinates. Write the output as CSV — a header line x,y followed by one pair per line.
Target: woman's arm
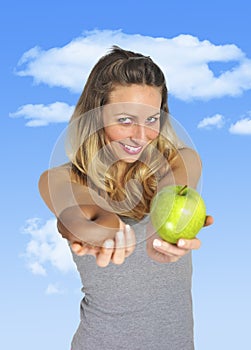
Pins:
x,y
85,219
186,170
81,213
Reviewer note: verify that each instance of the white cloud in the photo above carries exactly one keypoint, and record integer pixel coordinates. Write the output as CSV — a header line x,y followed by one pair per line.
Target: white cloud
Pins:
x,y
46,247
185,60
36,268
216,121
53,289
241,127
40,115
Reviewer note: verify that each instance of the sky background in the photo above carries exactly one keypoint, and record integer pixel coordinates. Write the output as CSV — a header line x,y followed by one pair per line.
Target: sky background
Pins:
x,y
47,50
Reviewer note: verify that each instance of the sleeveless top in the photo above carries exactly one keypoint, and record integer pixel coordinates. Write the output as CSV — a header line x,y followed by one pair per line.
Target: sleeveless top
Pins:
x,y
139,305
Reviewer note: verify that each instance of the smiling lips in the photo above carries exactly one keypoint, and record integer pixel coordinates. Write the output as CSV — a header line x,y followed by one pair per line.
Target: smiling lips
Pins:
x,y
131,149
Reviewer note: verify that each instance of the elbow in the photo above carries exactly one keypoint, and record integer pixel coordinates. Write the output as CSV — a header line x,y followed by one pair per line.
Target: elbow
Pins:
x,y
67,228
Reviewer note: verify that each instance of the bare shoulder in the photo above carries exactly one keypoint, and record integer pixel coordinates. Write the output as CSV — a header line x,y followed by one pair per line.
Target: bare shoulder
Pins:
x,y
59,191
58,173
189,156
64,168
187,167
51,179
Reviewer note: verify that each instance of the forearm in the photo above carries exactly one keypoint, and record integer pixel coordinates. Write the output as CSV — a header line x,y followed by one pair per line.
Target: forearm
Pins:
x,y
88,223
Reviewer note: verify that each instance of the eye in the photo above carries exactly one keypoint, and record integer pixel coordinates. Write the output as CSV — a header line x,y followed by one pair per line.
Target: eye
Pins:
x,y
125,120
152,120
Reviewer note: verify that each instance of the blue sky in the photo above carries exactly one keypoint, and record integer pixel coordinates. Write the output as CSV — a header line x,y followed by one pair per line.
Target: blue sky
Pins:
x,y
47,50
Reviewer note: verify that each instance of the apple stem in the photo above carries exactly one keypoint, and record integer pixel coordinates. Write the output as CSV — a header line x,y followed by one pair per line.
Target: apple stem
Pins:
x,y
180,193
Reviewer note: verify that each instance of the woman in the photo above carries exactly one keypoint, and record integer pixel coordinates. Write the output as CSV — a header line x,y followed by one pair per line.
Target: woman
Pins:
x,y
122,150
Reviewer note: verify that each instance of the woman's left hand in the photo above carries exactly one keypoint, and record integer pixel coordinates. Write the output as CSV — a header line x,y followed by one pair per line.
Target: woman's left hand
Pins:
x,y
164,252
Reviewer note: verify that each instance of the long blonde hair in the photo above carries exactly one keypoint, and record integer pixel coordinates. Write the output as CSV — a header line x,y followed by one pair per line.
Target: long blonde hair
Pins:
x,y
92,162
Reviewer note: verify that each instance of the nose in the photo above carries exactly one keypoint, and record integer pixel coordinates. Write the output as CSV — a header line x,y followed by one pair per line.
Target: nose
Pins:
x,y
140,133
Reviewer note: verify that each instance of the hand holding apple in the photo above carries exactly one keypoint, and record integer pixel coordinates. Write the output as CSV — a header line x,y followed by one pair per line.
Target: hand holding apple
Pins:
x,y
177,212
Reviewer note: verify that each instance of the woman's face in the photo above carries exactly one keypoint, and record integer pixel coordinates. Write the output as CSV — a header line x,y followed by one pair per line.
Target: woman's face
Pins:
x,y
132,120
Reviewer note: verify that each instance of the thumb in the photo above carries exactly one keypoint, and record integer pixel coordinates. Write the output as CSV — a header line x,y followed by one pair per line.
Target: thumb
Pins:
x,y
209,220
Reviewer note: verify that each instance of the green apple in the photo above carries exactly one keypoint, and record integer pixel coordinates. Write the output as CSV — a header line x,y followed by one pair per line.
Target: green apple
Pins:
x,y
177,212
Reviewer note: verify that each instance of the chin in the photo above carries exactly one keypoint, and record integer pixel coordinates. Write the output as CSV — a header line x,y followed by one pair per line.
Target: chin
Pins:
x,y
129,160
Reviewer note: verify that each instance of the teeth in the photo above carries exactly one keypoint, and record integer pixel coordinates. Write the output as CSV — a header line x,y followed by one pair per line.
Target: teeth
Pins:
x,y
132,149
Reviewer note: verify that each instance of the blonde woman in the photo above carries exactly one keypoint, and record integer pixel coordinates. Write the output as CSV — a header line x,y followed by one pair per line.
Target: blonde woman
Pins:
x,y
122,150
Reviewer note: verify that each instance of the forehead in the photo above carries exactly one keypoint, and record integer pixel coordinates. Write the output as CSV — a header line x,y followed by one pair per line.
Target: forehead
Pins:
x,y
137,110
135,93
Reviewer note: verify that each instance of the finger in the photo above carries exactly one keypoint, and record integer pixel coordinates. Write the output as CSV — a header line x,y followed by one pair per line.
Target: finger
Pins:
x,y
93,251
119,253
79,248
189,244
168,248
130,240
209,220
103,258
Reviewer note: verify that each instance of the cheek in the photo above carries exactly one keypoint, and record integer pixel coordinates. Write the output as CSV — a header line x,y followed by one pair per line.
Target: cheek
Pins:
x,y
153,132
115,133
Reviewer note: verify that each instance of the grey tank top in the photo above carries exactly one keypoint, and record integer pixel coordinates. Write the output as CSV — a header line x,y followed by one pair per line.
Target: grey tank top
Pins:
x,y
139,305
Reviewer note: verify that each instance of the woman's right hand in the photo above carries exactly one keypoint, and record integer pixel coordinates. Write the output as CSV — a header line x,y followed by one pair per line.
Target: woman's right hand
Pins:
x,y
112,250
91,230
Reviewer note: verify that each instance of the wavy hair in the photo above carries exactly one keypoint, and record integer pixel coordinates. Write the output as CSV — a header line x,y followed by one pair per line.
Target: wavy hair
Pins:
x,y
92,162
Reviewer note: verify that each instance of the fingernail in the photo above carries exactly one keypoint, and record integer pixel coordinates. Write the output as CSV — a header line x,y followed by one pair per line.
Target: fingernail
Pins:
x,y
181,243
120,235
128,228
108,244
74,248
157,243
